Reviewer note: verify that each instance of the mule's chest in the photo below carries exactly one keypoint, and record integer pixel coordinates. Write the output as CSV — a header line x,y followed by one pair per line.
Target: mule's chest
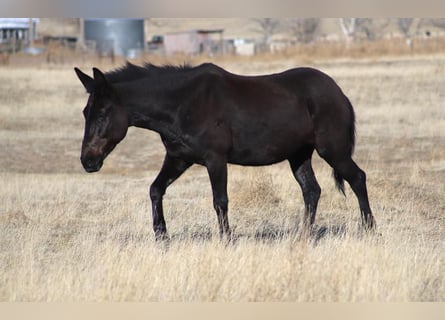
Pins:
x,y
181,147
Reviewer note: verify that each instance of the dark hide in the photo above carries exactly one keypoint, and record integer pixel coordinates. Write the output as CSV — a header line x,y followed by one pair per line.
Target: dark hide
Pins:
x,y
208,116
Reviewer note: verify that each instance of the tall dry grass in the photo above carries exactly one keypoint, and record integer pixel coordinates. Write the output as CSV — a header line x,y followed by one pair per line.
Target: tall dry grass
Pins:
x,y
69,236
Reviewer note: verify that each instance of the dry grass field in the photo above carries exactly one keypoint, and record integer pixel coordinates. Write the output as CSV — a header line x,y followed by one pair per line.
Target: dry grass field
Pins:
x,y
66,235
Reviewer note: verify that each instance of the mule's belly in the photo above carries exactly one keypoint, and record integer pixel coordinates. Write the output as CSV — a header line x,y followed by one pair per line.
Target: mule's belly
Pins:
x,y
248,158
265,149
268,133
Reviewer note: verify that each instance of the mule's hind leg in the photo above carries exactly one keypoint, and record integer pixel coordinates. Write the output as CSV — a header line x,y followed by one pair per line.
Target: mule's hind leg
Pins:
x,y
217,170
356,177
302,169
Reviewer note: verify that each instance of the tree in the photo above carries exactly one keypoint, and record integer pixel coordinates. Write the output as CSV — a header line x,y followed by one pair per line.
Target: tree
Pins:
x,y
267,27
438,22
304,29
404,25
426,23
372,28
348,27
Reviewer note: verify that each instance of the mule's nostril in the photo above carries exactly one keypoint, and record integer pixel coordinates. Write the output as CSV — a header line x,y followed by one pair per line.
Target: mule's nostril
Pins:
x,y
91,165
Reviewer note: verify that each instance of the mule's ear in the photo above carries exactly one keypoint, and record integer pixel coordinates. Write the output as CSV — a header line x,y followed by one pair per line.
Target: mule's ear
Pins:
x,y
86,80
99,79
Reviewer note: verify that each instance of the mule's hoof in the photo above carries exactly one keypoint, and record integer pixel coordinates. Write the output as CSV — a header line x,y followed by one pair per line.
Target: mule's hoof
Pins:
x,y
368,223
162,236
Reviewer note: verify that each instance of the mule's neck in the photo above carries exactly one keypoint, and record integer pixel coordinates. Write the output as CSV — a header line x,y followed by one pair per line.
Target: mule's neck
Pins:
x,y
150,108
153,101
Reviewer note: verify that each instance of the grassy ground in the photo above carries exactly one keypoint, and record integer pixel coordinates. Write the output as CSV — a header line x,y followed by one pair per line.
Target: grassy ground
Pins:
x,y
69,236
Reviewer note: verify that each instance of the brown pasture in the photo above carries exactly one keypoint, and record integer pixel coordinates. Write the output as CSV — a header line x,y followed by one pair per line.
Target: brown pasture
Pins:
x,y
66,235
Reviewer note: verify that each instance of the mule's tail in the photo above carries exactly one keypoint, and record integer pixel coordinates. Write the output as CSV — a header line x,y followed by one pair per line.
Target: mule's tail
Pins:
x,y
339,181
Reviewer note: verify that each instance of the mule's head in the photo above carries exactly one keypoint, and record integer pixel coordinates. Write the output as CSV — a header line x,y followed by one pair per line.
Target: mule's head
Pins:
x,y
106,122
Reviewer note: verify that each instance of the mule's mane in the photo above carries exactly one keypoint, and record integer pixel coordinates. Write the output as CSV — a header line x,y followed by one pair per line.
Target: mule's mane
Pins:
x,y
131,72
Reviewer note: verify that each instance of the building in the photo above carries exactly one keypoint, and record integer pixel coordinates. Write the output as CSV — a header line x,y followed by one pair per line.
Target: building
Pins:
x,y
123,37
194,42
17,32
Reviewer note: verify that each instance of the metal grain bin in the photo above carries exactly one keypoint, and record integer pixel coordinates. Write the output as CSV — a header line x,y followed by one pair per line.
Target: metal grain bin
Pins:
x,y
116,36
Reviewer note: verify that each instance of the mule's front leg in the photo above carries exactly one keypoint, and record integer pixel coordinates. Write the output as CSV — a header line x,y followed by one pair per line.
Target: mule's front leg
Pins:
x,y
159,226
217,169
172,168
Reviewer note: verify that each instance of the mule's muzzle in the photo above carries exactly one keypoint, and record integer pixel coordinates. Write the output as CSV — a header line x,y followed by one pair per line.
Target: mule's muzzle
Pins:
x,y
92,165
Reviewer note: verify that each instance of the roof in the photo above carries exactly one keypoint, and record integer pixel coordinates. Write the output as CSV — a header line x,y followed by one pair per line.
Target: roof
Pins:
x,y
206,31
16,23
210,31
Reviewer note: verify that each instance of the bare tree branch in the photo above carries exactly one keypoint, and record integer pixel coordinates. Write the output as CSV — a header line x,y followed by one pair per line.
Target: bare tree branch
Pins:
x,y
348,27
267,27
404,25
439,22
372,28
304,29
